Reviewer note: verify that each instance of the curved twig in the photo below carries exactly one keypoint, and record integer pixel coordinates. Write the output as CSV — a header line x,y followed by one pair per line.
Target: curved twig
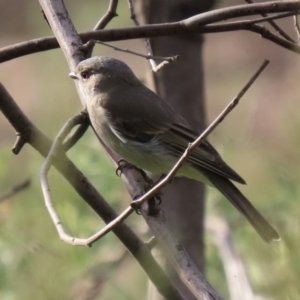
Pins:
x,y
85,189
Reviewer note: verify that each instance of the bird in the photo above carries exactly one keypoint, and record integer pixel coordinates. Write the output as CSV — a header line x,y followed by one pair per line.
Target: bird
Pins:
x,y
148,133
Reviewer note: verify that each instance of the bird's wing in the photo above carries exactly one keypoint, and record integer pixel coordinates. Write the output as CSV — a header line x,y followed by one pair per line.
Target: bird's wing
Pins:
x,y
175,137
140,119
204,156
152,118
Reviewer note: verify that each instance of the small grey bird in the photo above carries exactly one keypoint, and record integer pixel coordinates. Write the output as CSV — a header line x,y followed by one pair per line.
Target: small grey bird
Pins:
x,y
147,132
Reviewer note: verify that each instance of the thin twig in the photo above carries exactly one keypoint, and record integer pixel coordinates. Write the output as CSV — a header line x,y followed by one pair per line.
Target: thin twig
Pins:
x,y
19,143
241,11
109,15
205,133
167,59
16,189
155,30
76,136
54,151
267,18
55,148
146,40
164,63
154,66
275,26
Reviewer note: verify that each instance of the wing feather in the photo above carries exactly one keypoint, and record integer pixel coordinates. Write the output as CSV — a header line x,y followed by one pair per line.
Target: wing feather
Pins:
x,y
153,118
176,137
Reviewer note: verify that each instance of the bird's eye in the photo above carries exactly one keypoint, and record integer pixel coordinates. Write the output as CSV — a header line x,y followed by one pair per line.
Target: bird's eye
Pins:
x,y
85,75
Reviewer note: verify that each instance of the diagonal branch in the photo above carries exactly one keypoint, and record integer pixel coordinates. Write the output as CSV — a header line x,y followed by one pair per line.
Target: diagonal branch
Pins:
x,y
198,141
148,56
76,136
147,31
85,189
275,26
240,11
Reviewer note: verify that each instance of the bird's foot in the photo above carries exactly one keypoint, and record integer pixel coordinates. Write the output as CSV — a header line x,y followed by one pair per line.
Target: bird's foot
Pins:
x,y
123,164
153,203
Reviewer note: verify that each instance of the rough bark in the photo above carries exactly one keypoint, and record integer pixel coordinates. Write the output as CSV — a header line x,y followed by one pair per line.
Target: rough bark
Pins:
x,y
182,85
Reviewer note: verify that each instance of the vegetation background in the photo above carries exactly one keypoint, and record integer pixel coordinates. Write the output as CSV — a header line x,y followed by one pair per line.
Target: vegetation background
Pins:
x,y
260,139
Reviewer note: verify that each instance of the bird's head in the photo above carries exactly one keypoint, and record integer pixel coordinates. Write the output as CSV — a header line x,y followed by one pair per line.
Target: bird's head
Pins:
x,y
99,74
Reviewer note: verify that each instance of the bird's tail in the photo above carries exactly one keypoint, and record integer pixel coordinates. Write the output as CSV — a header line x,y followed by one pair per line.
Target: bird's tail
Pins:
x,y
229,190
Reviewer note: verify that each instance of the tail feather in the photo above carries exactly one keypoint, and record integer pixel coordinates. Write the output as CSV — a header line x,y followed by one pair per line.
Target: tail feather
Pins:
x,y
241,203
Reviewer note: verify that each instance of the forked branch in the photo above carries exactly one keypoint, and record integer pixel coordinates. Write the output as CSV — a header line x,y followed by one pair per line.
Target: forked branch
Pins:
x,y
198,24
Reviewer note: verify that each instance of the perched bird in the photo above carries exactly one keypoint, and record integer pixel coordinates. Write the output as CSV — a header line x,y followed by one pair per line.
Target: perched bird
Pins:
x,y
147,132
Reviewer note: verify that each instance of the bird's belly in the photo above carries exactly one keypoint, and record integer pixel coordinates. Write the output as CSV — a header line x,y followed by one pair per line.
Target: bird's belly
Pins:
x,y
151,156
147,156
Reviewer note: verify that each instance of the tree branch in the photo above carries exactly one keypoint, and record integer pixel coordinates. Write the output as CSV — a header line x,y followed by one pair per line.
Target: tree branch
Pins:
x,y
275,26
146,40
110,14
181,261
89,194
77,135
55,150
156,30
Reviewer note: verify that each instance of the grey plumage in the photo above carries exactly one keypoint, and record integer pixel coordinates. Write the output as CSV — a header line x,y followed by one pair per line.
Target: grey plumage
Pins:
x,y
147,132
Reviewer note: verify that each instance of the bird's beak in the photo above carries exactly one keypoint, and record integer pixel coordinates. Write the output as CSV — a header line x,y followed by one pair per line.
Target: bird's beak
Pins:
x,y
73,75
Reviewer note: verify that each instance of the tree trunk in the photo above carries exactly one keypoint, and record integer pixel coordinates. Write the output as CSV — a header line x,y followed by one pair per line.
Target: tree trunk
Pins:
x,y
181,84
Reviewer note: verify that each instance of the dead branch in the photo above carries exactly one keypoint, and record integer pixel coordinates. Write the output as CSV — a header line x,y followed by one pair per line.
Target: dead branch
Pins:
x,y
275,26
192,25
109,15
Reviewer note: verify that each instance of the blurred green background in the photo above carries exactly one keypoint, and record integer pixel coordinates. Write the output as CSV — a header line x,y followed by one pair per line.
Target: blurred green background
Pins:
x,y
260,139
